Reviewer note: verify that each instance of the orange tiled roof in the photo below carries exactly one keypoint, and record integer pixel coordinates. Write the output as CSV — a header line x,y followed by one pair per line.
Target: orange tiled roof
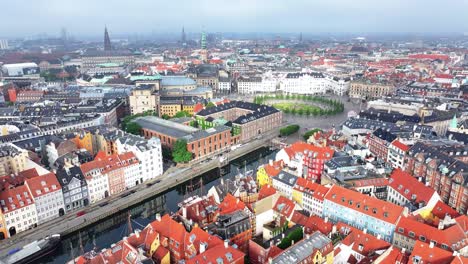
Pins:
x,y
284,206
409,187
427,254
266,191
109,163
10,198
43,185
450,236
274,169
302,147
356,237
230,204
400,145
384,211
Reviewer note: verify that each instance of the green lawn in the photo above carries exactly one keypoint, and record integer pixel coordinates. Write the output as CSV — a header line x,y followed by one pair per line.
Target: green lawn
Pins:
x,y
297,107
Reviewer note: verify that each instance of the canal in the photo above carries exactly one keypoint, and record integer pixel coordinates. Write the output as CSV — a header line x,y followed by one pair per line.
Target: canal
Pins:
x,y
112,229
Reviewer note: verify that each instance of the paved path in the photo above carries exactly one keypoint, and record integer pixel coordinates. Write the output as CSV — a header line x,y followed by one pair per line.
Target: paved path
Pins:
x,y
70,223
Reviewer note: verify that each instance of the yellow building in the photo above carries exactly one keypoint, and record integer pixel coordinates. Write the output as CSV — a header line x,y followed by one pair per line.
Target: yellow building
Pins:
x,y
265,172
188,108
3,229
170,109
12,159
84,140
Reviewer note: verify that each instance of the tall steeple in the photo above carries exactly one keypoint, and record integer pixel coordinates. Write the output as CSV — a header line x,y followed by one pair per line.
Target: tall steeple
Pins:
x,y
107,43
203,40
300,37
184,40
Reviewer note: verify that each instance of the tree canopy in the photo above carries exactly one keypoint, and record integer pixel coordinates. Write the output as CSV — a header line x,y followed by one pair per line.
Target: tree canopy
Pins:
x,y
289,130
133,128
180,152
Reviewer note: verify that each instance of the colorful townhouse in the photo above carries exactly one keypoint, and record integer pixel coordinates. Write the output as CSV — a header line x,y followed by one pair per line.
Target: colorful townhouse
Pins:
x,y
377,217
108,175
305,160
267,171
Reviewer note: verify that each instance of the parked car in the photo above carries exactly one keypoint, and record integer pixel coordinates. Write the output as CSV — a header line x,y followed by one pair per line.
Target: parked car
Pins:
x,y
80,213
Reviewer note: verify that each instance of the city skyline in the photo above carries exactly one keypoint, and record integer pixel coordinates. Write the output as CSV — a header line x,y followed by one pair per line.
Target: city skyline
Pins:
x,y
147,17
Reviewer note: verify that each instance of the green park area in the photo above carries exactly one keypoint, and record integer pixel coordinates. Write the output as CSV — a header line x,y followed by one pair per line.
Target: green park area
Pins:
x,y
304,105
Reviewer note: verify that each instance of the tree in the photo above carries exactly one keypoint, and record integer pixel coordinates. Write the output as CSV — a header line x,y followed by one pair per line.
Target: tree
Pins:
x,y
165,116
289,130
133,128
180,152
210,104
295,235
181,114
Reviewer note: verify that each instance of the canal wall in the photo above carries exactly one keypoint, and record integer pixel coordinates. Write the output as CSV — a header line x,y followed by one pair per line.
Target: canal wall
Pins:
x,y
71,223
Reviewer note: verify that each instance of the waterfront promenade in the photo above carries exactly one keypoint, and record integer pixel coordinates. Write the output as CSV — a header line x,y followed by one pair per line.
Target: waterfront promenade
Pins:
x,y
174,176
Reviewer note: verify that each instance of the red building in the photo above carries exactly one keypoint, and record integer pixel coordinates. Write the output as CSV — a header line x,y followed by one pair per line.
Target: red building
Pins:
x,y
379,141
443,173
305,160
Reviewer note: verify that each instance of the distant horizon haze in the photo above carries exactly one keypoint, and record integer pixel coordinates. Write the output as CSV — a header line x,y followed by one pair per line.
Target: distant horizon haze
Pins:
x,y
29,18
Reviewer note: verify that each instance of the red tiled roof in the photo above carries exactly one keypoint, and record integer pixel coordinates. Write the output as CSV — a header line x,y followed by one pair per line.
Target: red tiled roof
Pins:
x,y
42,185
320,192
370,182
394,255
312,223
14,203
384,211
230,204
219,252
408,186
427,254
302,147
266,191
429,57
169,228
284,206
449,236
441,210
274,169
109,163
357,238
443,76
400,145
198,107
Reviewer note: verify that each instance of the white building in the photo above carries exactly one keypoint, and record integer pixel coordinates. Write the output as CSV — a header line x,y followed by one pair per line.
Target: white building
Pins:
x,y
224,85
47,195
252,85
312,201
148,152
396,154
18,209
98,184
4,44
284,183
311,83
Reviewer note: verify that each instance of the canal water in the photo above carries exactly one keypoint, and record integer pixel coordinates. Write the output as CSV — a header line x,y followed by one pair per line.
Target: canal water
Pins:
x,y
112,229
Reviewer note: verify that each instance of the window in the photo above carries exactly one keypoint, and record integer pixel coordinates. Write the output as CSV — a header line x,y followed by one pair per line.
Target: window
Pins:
x,y
422,238
411,234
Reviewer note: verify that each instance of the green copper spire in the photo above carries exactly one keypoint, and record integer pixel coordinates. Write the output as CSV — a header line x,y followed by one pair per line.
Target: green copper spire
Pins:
x,y
453,123
203,40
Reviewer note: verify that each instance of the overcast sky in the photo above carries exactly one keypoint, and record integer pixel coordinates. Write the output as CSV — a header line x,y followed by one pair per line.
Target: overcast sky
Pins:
x,y
88,17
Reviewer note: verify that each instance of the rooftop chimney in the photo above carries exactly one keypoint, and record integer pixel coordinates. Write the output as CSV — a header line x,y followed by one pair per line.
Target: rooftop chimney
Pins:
x,y
431,245
158,217
226,243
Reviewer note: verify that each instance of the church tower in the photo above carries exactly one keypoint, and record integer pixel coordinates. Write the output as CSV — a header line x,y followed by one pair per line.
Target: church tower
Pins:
x,y
203,51
107,43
